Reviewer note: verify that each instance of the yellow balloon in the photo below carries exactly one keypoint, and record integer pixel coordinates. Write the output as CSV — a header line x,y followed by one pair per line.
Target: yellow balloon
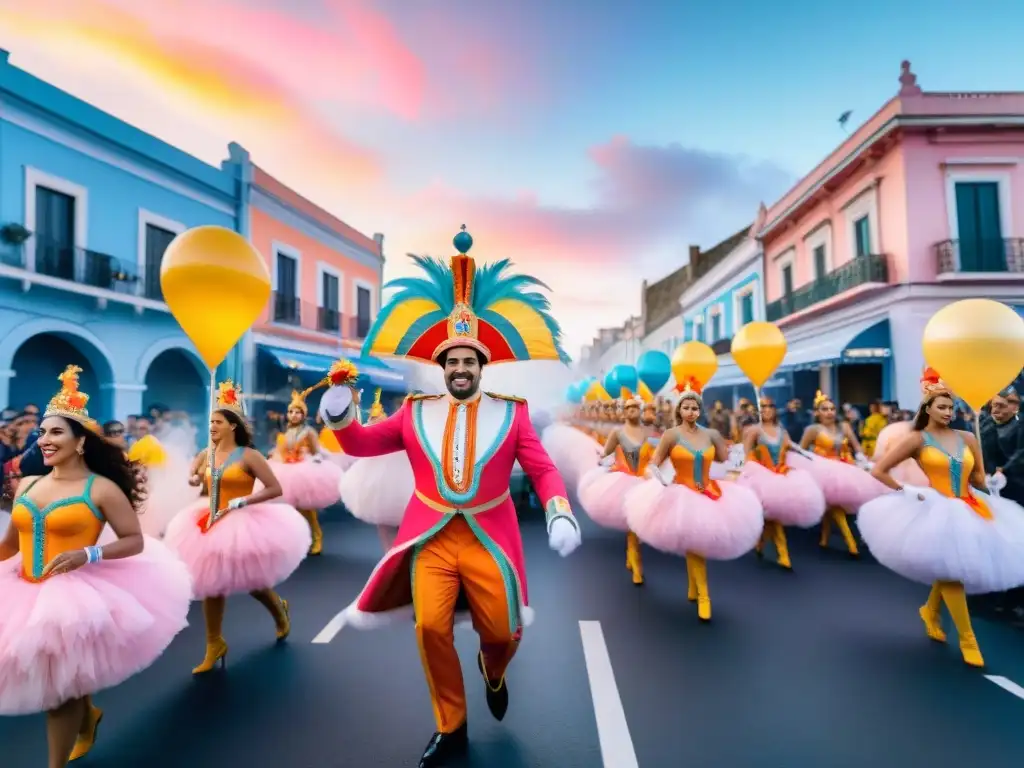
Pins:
x,y
694,359
216,285
758,349
976,346
645,393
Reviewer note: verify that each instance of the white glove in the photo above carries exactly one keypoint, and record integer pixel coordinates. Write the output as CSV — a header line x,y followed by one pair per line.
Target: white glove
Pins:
x,y
238,503
914,492
608,461
335,406
996,481
564,536
654,473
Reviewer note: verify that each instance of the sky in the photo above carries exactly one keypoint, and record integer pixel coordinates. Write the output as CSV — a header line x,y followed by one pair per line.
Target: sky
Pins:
x,y
590,141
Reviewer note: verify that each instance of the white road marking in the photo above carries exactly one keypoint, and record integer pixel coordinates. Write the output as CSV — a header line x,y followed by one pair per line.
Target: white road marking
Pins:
x,y
1007,685
332,628
612,729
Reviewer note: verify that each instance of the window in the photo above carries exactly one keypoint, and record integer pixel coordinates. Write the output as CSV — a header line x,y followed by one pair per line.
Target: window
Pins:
x,y
787,279
746,308
979,225
330,303
157,240
698,330
862,236
820,265
716,327
286,298
363,299
55,233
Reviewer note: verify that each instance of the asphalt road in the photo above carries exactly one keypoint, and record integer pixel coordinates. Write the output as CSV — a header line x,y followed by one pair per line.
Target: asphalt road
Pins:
x,y
824,667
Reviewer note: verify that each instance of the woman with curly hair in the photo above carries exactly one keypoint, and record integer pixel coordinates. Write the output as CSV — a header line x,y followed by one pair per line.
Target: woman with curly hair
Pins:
x,y
78,617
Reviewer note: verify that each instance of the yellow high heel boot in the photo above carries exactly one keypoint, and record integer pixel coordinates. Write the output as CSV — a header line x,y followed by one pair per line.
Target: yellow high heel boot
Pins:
x,y
216,648
955,598
90,726
765,535
929,613
778,534
699,568
633,557
313,518
278,608
826,529
691,582
843,523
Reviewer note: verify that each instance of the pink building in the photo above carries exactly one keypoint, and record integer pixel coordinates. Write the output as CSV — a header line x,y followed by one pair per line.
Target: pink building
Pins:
x,y
922,205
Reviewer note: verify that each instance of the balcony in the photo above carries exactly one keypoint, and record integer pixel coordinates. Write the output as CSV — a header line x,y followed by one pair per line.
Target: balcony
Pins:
x,y
722,346
286,309
988,257
328,320
291,311
78,266
358,327
864,270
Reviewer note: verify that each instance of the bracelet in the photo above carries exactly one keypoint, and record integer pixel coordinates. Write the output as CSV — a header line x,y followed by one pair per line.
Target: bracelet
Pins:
x,y
93,554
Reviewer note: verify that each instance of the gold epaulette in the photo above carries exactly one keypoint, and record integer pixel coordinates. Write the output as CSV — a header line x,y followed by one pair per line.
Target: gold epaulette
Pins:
x,y
412,398
509,398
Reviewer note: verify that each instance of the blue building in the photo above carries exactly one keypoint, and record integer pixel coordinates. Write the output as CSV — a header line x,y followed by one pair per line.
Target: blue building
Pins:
x,y
88,204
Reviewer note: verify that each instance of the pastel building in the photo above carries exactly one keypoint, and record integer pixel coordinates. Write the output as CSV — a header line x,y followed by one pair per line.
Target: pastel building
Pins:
x,y
922,205
88,204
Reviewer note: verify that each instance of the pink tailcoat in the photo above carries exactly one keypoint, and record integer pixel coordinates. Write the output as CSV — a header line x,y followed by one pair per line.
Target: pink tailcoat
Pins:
x,y
510,438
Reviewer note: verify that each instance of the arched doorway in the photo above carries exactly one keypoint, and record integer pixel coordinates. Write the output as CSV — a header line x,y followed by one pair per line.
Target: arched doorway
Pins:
x,y
42,358
173,382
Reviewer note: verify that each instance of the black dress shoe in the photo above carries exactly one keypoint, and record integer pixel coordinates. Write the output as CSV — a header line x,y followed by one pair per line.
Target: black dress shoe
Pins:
x,y
444,746
497,693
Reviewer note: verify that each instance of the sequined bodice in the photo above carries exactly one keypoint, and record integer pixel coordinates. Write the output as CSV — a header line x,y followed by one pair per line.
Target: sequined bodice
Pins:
x,y
832,445
630,451
770,452
230,481
948,473
692,466
294,444
61,526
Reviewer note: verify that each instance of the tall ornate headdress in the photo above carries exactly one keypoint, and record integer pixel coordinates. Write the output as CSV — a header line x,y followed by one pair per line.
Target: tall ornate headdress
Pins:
x,y
932,385
499,315
376,410
69,402
819,398
690,390
229,398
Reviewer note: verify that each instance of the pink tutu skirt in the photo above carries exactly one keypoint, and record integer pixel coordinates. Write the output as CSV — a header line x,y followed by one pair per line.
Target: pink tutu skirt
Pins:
x,y
601,493
377,490
907,472
571,451
943,539
256,547
308,484
791,499
677,520
844,485
77,633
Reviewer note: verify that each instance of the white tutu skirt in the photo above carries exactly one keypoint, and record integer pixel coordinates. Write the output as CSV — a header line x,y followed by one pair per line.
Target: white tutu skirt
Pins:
x,y
167,490
377,490
602,493
571,451
677,520
943,539
792,499
78,633
307,484
341,460
844,485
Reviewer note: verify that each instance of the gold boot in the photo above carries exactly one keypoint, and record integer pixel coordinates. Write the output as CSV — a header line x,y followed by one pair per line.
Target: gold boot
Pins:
x,y
278,608
956,603
636,563
90,727
699,567
313,518
826,529
929,613
778,534
843,523
691,589
216,647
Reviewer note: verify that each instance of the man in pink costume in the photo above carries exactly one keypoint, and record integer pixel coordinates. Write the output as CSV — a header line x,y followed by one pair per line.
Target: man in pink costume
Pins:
x,y
460,533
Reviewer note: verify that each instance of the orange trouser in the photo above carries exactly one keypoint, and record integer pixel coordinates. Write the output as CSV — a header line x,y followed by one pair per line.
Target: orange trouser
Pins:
x,y
454,557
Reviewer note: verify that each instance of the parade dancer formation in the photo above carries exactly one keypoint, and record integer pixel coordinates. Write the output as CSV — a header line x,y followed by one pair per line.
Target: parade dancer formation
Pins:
x,y
459,531
64,633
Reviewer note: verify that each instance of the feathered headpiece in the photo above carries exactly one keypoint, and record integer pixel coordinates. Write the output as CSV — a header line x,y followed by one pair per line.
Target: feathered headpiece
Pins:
x,y
690,388
932,385
299,399
69,402
229,398
499,315
819,398
376,410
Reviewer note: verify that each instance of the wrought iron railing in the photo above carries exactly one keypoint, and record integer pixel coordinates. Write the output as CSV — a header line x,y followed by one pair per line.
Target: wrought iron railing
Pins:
x,y
863,270
993,255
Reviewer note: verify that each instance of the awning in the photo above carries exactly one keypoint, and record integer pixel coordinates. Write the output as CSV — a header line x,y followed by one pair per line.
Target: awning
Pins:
x,y
867,341
377,373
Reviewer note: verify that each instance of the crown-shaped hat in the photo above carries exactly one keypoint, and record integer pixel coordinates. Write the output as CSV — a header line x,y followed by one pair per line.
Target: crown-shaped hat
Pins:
x,y
690,386
229,398
932,385
820,397
69,402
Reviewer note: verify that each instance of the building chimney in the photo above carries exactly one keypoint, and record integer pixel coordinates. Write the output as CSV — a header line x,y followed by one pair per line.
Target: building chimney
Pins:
x,y
694,254
378,238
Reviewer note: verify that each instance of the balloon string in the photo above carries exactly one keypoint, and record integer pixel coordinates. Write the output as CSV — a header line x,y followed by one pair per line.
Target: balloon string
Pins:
x,y
213,408
757,403
977,436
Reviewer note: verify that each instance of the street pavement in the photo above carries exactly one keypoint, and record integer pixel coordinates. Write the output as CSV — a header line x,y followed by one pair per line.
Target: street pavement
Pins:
x,y
824,667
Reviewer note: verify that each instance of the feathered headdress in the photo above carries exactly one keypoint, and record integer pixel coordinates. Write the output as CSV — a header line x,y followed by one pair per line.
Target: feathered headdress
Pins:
x,y
819,398
376,410
690,388
69,402
932,385
499,315
229,398
299,399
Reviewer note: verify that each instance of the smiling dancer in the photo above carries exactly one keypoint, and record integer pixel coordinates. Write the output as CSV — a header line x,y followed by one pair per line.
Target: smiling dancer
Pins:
x,y
307,482
237,540
78,618
601,492
789,496
693,515
459,532
845,484
952,535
